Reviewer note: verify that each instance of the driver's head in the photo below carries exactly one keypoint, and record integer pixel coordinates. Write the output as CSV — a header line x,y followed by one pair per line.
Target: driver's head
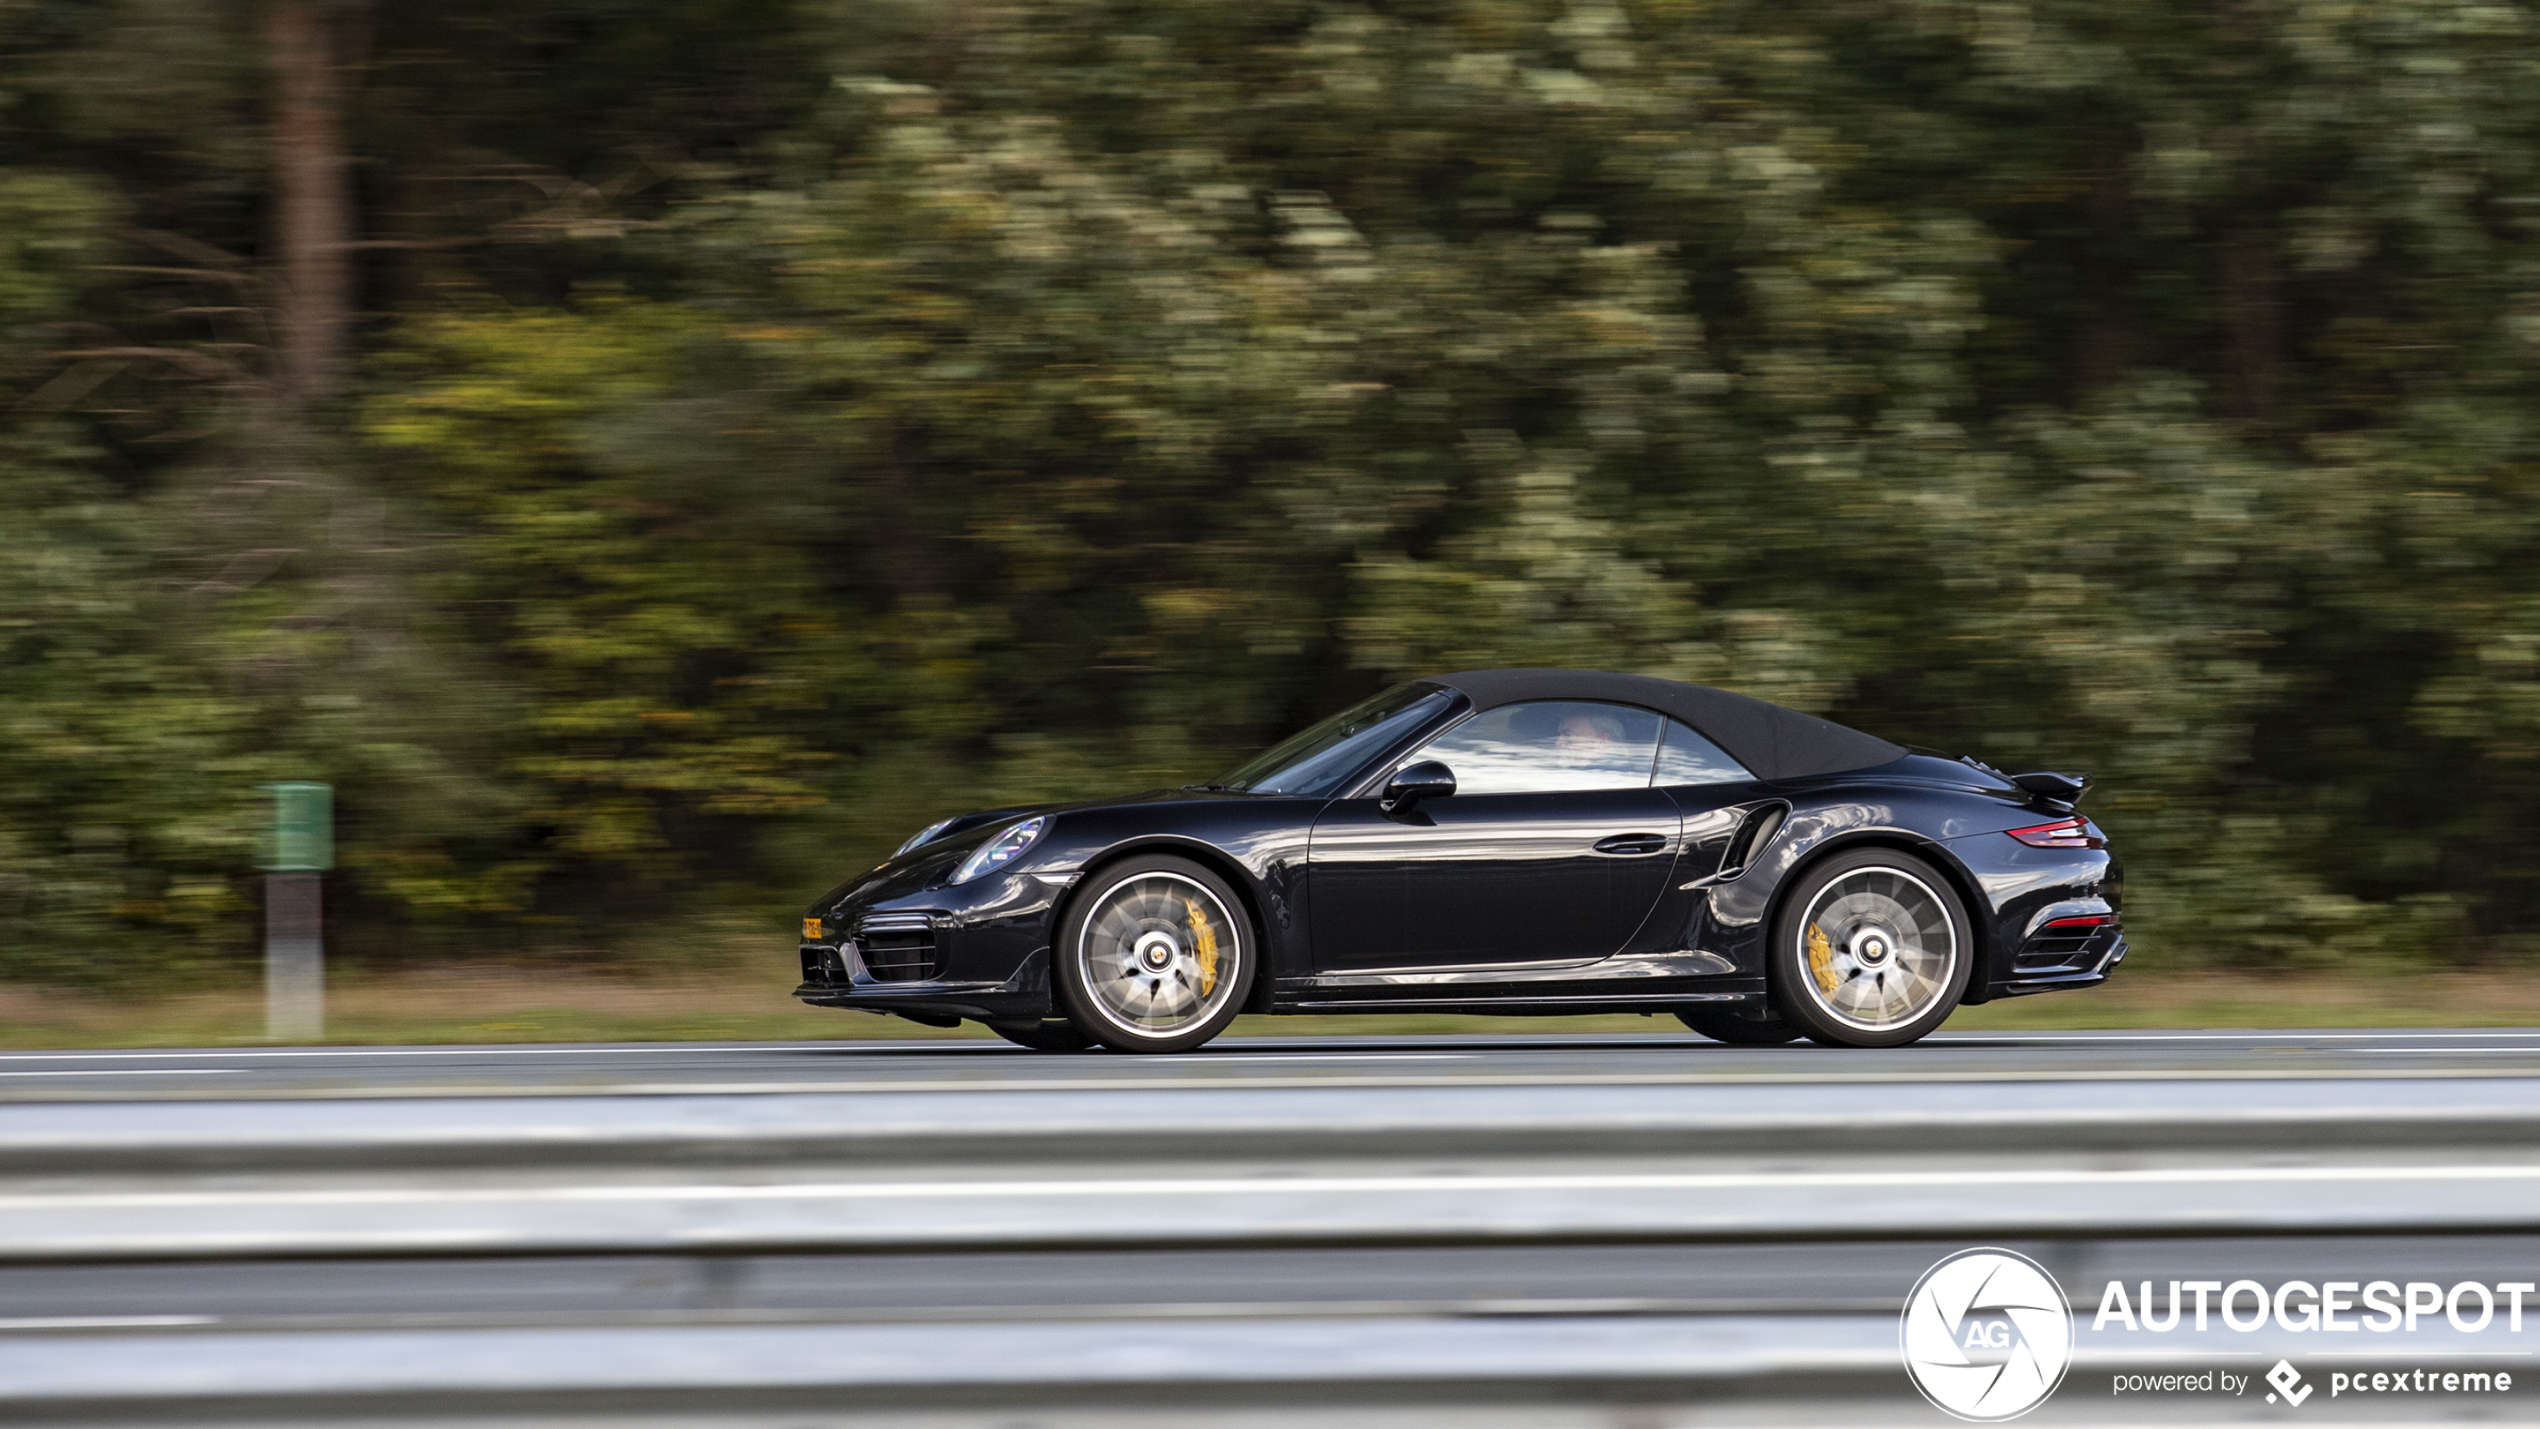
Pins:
x,y
1585,734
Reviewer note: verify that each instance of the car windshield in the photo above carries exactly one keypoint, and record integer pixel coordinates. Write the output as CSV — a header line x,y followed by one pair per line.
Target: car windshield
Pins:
x,y
1316,761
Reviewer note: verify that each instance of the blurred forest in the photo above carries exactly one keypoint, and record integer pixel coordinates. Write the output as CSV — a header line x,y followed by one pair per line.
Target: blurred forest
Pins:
x,y
653,457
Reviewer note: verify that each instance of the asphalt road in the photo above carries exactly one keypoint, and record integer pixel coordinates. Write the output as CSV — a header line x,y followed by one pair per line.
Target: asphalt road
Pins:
x,y
1519,1058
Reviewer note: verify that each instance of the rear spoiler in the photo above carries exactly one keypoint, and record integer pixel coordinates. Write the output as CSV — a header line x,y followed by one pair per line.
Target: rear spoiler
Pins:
x,y
2058,791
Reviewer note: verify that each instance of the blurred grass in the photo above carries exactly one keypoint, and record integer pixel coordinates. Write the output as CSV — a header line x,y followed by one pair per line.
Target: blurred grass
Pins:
x,y
495,1003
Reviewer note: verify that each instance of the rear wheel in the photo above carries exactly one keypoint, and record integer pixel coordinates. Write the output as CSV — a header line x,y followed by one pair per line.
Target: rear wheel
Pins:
x,y
1741,1026
1155,957
1052,1034
1871,949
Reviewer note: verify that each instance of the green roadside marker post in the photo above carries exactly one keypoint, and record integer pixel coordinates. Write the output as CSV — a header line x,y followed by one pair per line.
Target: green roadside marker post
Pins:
x,y
299,847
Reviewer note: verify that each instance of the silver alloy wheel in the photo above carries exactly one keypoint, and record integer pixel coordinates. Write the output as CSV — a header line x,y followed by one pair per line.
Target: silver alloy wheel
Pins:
x,y
1878,948
1159,953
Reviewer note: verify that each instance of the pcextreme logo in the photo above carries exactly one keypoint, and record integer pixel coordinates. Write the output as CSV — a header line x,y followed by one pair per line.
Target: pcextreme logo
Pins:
x,y
1987,1335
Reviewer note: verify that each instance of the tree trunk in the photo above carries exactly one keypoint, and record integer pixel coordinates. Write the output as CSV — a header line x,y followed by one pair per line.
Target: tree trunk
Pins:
x,y
312,201
2250,310
2107,327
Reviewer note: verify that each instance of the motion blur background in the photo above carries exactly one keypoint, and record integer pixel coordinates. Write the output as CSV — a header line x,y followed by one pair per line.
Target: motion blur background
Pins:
x,y
651,458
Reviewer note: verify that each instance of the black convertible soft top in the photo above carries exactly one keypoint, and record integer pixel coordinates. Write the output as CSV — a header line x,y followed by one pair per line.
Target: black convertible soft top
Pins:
x,y
1772,742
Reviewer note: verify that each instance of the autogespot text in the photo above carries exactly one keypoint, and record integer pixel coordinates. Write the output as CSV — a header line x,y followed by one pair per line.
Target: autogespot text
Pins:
x,y
2328,1307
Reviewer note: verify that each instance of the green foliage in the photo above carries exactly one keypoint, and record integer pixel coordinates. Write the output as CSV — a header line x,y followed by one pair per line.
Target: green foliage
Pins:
x,y
121,769
123,777
662,644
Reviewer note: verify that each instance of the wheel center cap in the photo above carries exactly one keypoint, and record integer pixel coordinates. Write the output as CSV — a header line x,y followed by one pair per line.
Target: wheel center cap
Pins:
x,y
1871,948
1156,951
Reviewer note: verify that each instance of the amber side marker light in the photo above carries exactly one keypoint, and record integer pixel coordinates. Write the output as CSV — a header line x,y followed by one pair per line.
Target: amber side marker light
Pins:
x,y
2063,833
811,929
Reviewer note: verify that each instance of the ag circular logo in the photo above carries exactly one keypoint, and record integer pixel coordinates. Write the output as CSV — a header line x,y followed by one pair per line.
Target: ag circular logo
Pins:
x,y
1987,1335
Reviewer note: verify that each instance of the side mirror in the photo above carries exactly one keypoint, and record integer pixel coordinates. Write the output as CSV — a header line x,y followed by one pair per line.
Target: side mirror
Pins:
x,y
1427,779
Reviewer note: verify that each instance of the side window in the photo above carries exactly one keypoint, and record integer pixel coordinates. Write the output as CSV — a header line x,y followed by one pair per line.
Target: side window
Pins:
x,y
1688,758
1550,746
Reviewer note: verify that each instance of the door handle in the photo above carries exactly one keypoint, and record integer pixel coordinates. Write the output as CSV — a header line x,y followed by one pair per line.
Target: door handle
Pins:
x,y
1632,844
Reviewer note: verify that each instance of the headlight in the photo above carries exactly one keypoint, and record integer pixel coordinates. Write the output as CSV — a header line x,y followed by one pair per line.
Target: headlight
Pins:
x,y
922,835
997,852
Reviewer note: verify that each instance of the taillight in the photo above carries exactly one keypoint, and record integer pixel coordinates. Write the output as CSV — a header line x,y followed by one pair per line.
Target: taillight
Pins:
x,y
2063,833
2087,920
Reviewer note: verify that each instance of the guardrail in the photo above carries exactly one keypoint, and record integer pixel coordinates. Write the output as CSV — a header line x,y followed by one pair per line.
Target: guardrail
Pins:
x,y
1235,1168
1064,1122
909,1170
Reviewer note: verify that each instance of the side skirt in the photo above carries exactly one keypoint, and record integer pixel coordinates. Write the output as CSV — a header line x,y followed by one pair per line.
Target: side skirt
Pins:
x,y
1526,1005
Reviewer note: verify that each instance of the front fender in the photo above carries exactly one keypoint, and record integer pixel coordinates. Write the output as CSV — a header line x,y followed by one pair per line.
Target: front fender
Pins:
x,y
1258,845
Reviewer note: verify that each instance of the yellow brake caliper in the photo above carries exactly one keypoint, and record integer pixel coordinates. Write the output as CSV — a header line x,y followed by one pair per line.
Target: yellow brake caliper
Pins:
x,y
1821,958
1204,943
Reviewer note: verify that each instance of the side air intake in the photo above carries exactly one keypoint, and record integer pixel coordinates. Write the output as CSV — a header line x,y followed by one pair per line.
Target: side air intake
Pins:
x,y
1752,836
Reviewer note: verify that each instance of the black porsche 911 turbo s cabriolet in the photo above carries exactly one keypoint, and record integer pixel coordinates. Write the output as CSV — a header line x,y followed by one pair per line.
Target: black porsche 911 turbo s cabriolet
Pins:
x,y
1499,841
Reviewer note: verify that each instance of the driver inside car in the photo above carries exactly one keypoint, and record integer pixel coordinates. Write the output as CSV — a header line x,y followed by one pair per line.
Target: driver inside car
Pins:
x,y
1586,740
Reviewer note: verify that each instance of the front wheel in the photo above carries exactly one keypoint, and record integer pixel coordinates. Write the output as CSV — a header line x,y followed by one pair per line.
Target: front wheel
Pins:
x,y
1155,957
1871,949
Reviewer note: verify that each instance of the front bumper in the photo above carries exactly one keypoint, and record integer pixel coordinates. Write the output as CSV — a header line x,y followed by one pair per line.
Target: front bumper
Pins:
x,y
976,951
835,977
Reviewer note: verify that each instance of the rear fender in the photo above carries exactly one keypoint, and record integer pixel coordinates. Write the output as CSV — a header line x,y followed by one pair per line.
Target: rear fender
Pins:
x,y
1742,909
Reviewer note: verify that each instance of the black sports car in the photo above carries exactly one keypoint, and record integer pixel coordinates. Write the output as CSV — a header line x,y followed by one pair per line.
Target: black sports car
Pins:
x,y
1504,841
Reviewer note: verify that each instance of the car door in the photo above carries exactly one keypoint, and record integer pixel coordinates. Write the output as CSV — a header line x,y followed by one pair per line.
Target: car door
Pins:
x,y
1553,848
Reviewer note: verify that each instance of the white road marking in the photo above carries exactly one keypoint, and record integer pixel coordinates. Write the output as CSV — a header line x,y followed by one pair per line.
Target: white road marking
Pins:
x,y
107,1322
133,1072
499,1051
2392,1034
480,1050
2443,1051
1115,1079
982,1049
1276,1185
